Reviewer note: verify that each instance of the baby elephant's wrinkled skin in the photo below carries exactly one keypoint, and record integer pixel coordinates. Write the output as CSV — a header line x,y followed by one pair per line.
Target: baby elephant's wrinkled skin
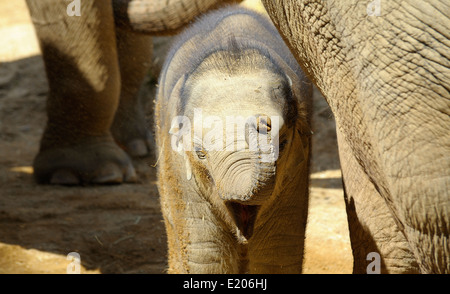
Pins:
x,y
233,139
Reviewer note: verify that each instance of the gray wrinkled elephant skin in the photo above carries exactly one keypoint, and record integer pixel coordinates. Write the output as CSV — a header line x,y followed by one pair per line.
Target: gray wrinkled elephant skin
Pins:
x,y
384,68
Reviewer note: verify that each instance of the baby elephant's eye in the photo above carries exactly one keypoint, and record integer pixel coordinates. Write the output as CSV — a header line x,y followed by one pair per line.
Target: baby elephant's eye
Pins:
x,y
201,154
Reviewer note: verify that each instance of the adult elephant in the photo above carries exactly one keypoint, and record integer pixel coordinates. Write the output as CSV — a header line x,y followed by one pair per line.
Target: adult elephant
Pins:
x,y
384,69
95,62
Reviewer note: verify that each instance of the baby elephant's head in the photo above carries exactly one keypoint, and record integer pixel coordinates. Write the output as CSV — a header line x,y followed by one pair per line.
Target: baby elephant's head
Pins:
x,y
246,134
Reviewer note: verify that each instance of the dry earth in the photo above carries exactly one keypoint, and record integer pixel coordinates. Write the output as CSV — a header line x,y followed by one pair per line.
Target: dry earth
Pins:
x,y
117,229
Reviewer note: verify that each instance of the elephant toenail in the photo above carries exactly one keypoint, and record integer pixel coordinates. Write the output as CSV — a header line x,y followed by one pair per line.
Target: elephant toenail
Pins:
x,y
64,177
108,174
130,175
137,148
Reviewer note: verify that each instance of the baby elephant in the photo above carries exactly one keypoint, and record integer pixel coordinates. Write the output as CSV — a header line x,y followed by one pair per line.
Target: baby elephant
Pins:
x,y
233,138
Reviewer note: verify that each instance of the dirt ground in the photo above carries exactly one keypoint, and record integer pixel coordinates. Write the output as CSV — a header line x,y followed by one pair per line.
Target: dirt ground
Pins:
x,y
117,229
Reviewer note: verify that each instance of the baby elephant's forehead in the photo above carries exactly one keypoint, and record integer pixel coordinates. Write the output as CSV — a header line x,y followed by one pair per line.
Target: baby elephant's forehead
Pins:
x,y
259,89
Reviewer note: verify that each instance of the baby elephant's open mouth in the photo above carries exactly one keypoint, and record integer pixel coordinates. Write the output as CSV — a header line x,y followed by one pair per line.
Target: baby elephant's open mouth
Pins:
x,y
244,217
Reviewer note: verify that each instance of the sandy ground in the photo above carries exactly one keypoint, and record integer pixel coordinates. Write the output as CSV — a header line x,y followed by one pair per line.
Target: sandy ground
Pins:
x,y
116,229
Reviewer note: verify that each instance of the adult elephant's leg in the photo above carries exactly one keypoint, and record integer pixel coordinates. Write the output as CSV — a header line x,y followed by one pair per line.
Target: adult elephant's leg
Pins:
x,y
393,115
371,224
81,63
129,128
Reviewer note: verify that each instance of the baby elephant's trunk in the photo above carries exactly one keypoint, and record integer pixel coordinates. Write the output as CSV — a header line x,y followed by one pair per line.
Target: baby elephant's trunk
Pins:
x,y
247,177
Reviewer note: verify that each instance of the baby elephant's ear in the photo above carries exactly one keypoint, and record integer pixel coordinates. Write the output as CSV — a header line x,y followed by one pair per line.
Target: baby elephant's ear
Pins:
x,y
176,91
175,98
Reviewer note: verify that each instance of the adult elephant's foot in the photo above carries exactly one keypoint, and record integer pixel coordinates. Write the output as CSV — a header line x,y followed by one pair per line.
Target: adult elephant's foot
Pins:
x,y
132,133
93,161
